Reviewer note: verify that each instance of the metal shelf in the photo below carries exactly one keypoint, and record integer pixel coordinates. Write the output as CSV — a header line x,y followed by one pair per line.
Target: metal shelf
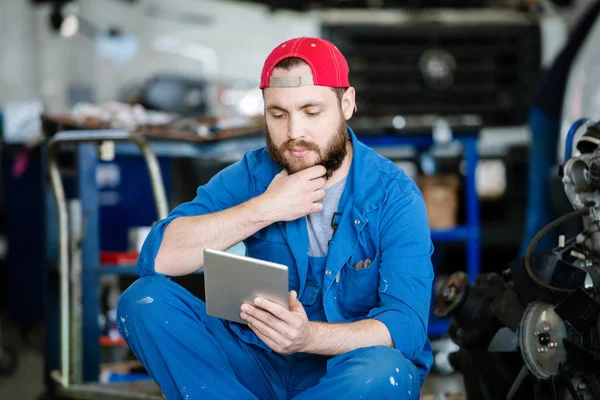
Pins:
x,y
438,327
117,269
459,233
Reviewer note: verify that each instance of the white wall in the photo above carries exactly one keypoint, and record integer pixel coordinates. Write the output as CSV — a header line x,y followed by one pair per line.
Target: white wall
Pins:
x,y
225,40
18,44
231,43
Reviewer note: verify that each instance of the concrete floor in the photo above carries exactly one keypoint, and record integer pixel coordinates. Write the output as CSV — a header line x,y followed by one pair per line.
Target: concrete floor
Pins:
x,y
27,382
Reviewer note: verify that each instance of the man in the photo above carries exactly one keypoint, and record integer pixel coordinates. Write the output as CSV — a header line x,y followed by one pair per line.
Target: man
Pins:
x,y
349,224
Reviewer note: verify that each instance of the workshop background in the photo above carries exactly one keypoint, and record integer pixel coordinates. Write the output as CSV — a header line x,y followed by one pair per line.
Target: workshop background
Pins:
x,y
444,88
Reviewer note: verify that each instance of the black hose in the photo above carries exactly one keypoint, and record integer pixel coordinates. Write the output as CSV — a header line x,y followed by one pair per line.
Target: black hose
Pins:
x,y
530,249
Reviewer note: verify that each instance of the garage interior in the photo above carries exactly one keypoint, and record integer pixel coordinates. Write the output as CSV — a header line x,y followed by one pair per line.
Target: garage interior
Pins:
x,y
490,106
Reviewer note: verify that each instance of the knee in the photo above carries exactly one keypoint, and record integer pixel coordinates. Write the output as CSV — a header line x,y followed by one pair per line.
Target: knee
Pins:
x,y
388,373
142,292
145,300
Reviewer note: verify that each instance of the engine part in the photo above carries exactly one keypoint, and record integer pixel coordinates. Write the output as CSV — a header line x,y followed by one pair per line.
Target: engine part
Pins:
x,y
534,331
541,338
473,325
586,387
504,340
581,174
590,140
579,310
452,294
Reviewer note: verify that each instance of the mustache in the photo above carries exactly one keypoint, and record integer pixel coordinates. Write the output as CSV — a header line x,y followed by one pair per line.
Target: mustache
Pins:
x,y
299,144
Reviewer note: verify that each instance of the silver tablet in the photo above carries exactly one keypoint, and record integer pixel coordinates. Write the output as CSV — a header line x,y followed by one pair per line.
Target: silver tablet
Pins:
x,y
231,279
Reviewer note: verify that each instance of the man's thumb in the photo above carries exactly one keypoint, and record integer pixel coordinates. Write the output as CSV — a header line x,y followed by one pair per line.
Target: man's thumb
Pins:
x,y
295,304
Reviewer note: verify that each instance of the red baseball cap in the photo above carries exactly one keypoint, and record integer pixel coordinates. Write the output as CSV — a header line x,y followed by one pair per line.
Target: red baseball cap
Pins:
x,y
328,65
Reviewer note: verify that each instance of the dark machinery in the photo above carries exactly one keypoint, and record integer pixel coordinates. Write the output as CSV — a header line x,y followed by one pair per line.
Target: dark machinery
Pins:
x,y
534,330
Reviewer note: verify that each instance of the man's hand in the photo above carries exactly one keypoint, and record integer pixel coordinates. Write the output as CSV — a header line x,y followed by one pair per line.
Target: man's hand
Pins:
x,y
290,197
284,331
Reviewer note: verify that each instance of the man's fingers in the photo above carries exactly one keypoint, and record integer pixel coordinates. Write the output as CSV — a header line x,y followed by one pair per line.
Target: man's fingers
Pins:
x,y
266,318
268,341
314,172
262,327
317,184
295,304
318,195
316,207
272,308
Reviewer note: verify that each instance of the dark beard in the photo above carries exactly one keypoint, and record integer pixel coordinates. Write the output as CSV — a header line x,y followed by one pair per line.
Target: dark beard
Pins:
x,y
331,158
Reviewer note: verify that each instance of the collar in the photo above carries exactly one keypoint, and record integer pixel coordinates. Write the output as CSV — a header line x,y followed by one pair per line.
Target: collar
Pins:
x,y
364,187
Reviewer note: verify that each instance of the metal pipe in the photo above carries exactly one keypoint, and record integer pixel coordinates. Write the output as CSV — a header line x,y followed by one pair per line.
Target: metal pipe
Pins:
x,y
158,191
155,175
63,259
75,218
152,164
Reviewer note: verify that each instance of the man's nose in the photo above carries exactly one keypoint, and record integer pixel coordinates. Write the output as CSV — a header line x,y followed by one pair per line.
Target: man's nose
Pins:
x,y
295,129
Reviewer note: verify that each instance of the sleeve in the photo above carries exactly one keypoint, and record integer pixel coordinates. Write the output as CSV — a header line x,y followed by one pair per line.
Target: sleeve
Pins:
x,y
228,188
406,272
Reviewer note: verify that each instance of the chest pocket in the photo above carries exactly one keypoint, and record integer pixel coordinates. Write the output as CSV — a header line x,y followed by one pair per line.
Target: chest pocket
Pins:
x,y
359,287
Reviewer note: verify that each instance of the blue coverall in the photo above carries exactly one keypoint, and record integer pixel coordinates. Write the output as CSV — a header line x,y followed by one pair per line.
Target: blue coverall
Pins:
x,y
383,218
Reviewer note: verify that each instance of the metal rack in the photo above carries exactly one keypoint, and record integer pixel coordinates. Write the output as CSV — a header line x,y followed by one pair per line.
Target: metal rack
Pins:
x,y
470,232
80,361
77,262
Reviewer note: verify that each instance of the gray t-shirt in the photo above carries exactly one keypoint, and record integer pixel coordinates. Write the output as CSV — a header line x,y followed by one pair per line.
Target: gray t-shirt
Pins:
x,y
320,230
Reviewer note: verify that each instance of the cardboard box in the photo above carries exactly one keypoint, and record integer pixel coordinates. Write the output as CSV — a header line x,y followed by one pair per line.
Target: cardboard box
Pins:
x,y
441,199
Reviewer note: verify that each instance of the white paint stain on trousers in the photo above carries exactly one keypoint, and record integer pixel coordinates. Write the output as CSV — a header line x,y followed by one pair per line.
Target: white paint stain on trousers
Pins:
x,y
124,326
146,300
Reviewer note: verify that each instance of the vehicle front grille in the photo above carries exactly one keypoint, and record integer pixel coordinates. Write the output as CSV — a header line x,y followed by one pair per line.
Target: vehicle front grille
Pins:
x,y
414,70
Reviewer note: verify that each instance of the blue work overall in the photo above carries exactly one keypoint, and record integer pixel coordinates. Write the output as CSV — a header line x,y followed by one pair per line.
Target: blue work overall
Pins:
x,y
383,218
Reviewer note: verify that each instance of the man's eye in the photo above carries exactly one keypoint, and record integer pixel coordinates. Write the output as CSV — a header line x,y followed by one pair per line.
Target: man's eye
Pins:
x,y
312,114
277,115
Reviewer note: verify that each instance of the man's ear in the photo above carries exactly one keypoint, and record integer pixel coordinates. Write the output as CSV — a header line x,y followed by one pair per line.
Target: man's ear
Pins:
x,y
348,103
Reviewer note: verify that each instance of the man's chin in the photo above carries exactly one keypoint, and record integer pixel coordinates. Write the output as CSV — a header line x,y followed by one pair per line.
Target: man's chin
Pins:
x,y
296,165
293,168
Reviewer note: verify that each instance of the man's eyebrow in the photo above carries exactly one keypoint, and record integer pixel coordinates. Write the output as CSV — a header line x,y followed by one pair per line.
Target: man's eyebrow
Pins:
x,y
275,107
311,103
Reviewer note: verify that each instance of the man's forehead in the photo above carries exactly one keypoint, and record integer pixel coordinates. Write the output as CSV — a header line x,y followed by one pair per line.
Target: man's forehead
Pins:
x,y
297,97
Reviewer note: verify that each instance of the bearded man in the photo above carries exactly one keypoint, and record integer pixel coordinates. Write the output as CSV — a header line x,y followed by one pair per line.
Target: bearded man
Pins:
x,y
351,227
